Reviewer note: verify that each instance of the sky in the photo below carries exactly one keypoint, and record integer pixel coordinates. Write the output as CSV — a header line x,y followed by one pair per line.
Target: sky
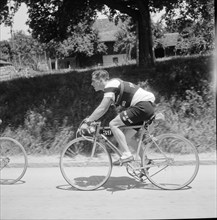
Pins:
x,y
20,19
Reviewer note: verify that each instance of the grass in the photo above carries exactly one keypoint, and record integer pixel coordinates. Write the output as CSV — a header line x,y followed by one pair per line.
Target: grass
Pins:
x,y
44,111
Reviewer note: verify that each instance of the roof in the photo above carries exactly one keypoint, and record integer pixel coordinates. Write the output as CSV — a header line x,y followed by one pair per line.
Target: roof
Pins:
x,y
107,36
169,39
107,29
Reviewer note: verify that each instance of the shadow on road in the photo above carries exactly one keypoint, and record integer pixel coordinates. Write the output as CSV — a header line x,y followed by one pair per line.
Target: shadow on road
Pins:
x,y
10,182
121,183
125,183
117,184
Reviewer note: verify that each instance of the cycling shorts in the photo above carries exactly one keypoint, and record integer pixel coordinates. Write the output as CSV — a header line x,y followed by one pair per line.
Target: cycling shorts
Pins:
x,y
137,114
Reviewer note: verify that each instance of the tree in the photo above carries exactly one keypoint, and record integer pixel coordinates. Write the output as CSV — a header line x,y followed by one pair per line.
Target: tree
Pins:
x,y
82,43
25,51
126,38
158,31
5,51
84,40
55,19
195,24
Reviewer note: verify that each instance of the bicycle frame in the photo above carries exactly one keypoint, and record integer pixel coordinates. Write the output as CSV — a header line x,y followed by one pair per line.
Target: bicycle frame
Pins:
x,y
153,154
144,130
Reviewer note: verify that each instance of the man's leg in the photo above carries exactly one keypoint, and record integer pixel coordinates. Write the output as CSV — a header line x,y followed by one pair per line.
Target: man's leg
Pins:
x,y
119,135
133,141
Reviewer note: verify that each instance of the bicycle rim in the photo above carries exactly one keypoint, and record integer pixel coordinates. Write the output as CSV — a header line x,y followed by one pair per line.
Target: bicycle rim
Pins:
x,y
174,164
85,168
13,161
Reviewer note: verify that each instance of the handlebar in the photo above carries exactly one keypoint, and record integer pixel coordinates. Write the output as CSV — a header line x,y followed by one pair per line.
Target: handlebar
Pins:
x,y
94,124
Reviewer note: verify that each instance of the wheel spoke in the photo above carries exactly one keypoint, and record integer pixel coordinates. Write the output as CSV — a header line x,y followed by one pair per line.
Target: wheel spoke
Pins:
x,y
13,161
175,162
90,165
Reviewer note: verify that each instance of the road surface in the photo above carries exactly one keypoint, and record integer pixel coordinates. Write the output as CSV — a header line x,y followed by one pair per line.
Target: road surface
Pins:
x,y
44,194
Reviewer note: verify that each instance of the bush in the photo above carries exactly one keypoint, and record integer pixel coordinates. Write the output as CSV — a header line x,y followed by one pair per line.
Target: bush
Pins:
x,y
193,117
44,112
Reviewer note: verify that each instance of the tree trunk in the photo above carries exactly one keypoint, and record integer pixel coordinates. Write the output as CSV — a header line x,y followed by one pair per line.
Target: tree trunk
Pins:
x,y
146,55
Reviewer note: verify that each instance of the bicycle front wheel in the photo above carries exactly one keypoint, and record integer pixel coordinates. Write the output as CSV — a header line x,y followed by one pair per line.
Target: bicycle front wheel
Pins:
x,y
171,162
13,161
85,164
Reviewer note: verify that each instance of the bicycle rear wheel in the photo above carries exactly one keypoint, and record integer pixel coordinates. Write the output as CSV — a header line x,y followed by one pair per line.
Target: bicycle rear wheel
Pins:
x,y
13,161
85,165
172,160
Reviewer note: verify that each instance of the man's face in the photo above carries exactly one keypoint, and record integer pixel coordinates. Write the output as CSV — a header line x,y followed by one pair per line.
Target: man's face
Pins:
x,y
97,84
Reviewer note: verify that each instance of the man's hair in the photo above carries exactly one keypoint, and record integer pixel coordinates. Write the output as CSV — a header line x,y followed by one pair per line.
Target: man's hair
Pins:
x,y
100,74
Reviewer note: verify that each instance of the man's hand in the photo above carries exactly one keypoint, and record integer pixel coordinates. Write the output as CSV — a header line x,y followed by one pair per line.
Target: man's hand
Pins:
x,y
87,128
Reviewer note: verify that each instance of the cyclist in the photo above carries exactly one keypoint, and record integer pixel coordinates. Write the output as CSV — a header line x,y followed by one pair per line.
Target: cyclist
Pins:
x,y
136,103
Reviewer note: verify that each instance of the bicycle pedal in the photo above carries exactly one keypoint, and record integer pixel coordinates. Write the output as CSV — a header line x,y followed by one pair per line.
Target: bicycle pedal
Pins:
x,y
120,161
129,159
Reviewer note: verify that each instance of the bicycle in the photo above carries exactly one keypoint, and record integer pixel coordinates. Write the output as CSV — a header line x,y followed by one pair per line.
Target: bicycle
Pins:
x,y
13,160
86,163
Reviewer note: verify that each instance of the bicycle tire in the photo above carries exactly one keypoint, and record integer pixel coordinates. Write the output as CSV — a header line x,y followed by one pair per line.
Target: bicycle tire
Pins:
x,y
80,168
13,161
170,173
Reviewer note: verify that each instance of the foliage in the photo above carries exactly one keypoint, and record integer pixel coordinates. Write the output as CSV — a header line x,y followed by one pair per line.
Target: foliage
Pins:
x,y
44,112
47,22
22,50
7,11
126,38
158,31
84,40
5,50
195,23
4,10
26,50
193,116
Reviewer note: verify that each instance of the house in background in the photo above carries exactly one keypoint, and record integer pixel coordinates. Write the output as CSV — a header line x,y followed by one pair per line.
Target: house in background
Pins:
x,y
66,63
167,45
107,34
107,31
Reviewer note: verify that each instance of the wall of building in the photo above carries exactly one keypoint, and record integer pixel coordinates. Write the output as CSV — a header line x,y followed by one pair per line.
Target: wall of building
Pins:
x,y
66,63
117,59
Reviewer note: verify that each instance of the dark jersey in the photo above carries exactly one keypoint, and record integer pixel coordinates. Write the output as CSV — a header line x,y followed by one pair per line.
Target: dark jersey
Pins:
x,y
123,96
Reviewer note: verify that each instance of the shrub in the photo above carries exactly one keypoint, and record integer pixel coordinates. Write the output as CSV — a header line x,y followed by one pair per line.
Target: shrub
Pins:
x,y
44,112
194,117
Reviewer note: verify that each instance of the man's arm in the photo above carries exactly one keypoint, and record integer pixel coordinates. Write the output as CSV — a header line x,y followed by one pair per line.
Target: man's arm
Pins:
x,y
101,109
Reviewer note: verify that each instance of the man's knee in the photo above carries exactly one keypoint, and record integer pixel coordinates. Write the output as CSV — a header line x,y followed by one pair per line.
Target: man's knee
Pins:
x,y
116,122
112,124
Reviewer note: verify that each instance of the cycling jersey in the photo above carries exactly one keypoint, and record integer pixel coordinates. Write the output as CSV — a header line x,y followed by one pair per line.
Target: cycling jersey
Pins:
x,y
132,94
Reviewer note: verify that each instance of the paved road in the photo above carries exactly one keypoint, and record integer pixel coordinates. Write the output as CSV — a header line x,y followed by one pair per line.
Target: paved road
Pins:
x,y
44,194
